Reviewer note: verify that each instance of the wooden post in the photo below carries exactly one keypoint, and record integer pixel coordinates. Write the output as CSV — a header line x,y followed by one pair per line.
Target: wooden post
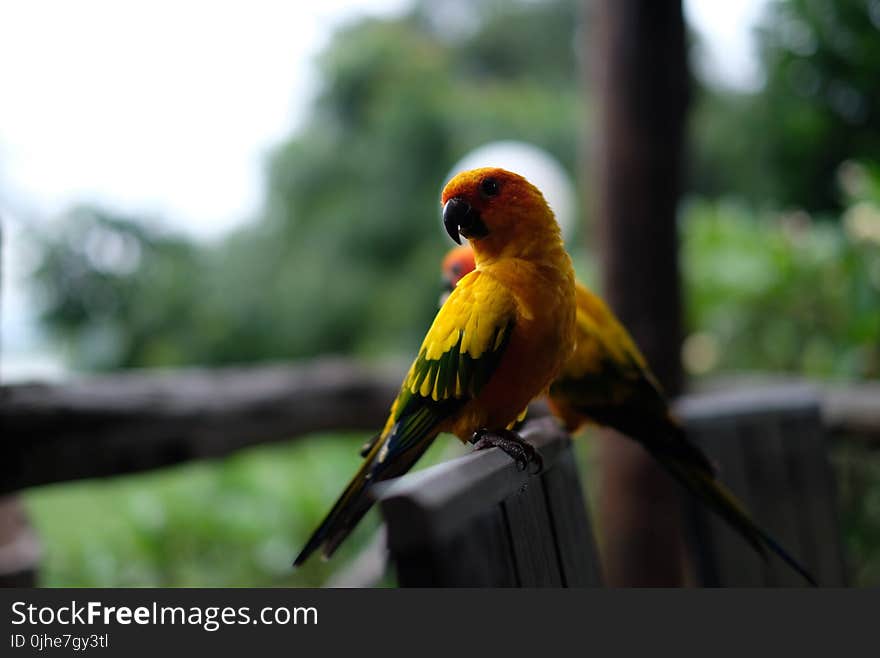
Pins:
x,y
640,74
20,549
19,546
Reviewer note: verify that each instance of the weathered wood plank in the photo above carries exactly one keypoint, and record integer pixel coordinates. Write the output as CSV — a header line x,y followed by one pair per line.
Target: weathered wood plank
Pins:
x,y
770,446
435,502
853,412
532,537
745,403
132,422
479,521
850,411
478,555
817,501
723,557
775,494
567,510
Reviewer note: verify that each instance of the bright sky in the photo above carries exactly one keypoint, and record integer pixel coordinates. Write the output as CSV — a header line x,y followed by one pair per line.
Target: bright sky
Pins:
x,y
725,27
169,107
158,106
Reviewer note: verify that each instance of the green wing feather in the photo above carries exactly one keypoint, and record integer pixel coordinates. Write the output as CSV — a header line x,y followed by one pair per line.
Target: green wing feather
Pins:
x,y
458,356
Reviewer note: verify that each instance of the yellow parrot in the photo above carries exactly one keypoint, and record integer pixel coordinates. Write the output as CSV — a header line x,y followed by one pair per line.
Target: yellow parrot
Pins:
x,y
607,381
497,343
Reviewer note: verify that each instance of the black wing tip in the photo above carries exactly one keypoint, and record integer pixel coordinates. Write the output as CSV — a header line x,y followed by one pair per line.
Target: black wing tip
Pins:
x,y
786,557
803,571
316,541
304,555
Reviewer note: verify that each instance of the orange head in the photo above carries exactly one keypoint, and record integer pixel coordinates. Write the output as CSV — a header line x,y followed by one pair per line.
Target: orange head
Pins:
x,y
500,213
457,263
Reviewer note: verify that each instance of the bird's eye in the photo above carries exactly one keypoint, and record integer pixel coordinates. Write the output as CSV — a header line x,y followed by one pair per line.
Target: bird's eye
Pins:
x,y
489,187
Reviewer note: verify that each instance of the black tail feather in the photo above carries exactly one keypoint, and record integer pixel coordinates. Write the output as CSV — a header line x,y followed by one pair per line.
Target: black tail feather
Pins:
x,y
786,557
343,516
665,439
719,498
356,500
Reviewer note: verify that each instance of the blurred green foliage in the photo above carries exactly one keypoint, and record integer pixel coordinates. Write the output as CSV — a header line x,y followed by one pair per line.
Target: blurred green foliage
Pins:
x,y
237,522
818,106
114,288
857,471
344,255
783,292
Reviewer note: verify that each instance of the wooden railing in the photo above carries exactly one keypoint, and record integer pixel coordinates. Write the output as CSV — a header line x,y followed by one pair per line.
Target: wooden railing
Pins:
x,y
850,411
124,423
136,421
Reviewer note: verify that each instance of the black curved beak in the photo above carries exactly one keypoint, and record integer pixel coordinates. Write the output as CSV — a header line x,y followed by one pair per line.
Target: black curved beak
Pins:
x,y
461,218
453,211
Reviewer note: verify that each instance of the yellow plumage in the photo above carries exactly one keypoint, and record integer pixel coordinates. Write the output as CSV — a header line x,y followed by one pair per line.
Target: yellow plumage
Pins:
x,y
499,340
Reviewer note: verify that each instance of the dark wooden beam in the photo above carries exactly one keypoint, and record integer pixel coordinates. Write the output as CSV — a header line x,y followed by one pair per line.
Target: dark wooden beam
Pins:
x,y
853,412
641,83
124,423
850,411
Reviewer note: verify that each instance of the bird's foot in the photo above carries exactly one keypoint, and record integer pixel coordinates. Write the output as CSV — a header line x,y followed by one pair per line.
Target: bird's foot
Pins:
x,y
512,444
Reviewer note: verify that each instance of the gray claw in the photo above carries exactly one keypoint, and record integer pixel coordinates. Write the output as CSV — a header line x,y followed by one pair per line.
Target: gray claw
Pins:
x,y
512,444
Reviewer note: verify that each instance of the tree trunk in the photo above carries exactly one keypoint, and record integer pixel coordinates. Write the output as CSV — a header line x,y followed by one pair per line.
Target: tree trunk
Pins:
x,y
640,75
